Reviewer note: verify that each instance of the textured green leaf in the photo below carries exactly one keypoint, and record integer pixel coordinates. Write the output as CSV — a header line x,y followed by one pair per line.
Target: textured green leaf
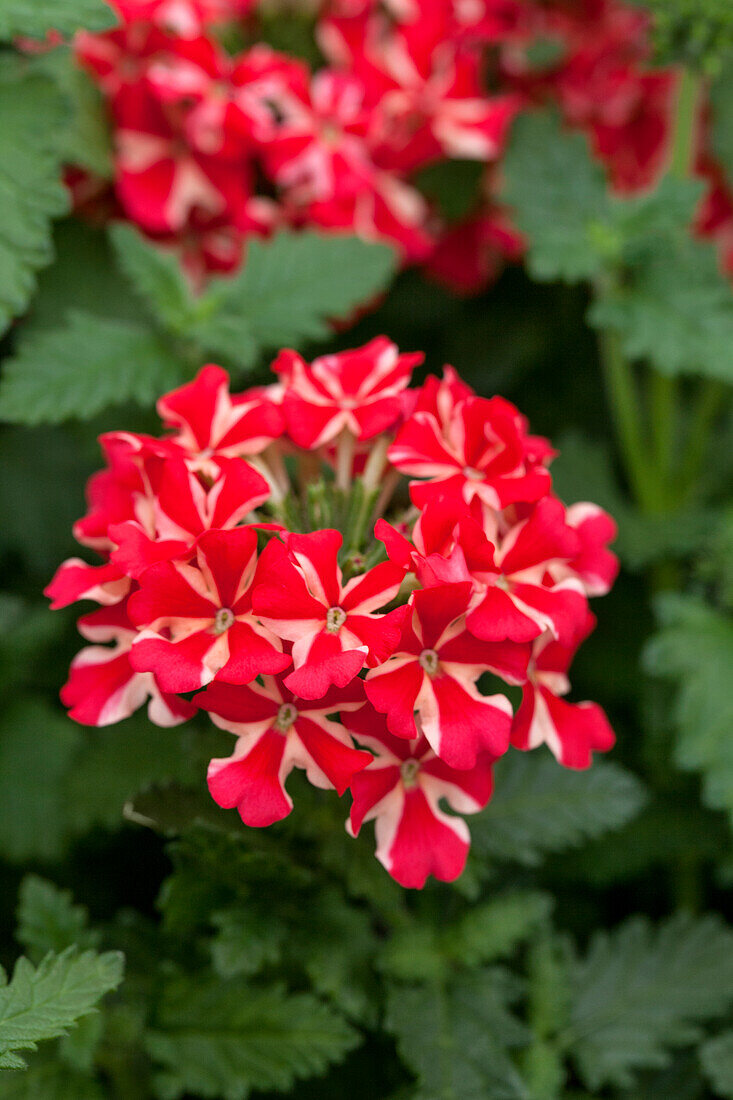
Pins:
x,y
216,1038
43,1003
673,308
83,367
716,1057
245,941
559,198
86,140
484,934
539,807
37,745
31,192
640,990
288,290
35,18
694,647
156,276
456,1037
293,285
48,919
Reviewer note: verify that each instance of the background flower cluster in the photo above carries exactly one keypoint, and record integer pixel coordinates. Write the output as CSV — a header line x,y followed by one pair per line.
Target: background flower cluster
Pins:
x,y
214,144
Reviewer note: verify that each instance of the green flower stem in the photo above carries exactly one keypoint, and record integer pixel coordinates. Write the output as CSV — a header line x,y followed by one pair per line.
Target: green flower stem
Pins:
x,y
623,398
711,398
664,391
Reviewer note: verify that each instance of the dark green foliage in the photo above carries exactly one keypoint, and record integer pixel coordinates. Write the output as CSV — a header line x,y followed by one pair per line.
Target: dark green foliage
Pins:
x,y
639,991
220,1038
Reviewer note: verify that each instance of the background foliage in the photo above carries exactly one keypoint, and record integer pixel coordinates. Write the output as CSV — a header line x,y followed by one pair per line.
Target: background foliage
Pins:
x,y
588,950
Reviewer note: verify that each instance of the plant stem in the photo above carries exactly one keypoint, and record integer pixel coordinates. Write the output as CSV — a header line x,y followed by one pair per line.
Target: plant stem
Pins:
x,y
624,401
710,399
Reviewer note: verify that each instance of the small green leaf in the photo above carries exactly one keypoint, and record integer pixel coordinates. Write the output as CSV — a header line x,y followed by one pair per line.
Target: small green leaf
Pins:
x,y
559,197
457,1037
674,308
641,990
44,1003
90,363
694,647
35,18
217,1038
48,920
540,807
293,285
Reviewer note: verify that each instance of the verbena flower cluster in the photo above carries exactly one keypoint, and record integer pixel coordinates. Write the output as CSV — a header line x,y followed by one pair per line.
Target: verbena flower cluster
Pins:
x,y
344,572
213,145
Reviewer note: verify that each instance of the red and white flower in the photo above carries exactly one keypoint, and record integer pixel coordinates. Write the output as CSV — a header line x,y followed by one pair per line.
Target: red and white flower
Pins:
x,y
103,687
431,679
208,424
473,448
358,391
196,621
277,732
334,627
572,731
401,791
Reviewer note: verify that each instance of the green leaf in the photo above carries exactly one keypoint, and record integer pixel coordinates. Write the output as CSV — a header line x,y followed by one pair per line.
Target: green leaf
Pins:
x,y
245,941
540,807
156,277
83,367
716,1057
641,990
35,18
493,930
31,192
559,197
291,287
217,1038
456,1037
674,308
48,920
484,934
44,1003
86,140
37,745
288,290
694,647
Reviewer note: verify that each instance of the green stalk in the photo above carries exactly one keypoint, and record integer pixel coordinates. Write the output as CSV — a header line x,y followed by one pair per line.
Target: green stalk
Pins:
x,y
623,398
664,391
711,398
